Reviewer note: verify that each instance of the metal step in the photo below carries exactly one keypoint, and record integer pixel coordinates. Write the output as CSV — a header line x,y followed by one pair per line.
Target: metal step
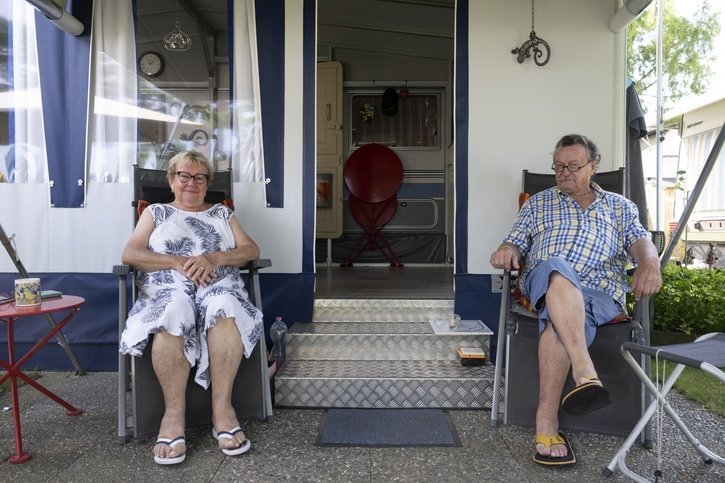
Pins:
x,y
376,341
380,354
380,310
383,384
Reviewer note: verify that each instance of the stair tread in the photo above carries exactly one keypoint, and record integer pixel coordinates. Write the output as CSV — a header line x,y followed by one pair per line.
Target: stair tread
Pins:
x,y
371,328
359,327
383,369
384,303
361,310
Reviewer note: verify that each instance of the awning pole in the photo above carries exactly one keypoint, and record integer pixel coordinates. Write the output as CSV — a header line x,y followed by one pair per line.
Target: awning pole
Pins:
x,y
658,133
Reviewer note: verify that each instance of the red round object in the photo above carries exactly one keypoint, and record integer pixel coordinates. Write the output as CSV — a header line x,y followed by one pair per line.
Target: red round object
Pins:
x,y
373,173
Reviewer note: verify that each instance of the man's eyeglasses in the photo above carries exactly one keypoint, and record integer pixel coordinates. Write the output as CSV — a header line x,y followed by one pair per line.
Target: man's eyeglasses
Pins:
x,y
185,177
573,168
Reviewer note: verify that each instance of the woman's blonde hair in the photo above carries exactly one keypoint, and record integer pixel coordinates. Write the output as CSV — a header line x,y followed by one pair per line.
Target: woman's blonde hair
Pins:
x,y
189,157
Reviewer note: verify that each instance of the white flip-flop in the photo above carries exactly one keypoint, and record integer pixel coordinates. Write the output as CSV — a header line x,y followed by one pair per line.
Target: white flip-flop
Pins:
x,y
237,450
170,443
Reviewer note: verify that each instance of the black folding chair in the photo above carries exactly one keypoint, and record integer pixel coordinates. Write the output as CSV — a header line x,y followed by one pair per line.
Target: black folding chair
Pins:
x,y
707,353
140,400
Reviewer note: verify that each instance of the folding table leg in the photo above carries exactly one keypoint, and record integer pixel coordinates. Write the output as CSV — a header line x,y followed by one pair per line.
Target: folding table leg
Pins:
x,y
355,252
20,456
388,252
63,343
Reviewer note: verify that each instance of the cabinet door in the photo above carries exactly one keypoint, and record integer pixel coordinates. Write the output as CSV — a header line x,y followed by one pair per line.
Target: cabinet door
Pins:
x,y
329,150
329,113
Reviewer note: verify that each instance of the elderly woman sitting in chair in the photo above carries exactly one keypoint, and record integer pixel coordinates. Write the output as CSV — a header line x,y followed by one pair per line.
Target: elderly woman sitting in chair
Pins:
x,y
192,299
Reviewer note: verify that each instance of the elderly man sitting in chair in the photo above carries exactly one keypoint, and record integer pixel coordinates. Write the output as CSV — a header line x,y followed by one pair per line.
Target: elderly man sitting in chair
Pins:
x,y
576,240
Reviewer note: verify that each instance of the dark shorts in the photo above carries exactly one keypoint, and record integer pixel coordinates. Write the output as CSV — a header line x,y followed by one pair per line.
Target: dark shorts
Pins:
x,y
599,307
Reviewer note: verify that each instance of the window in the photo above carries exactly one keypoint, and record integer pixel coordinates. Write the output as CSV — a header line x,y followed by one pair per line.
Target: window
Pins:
x,y
414,124
22,143
174,120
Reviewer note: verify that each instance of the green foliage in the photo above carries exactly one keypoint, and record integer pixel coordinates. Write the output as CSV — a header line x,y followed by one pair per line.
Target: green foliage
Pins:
x,y
687,48
702,388
680,183
691,301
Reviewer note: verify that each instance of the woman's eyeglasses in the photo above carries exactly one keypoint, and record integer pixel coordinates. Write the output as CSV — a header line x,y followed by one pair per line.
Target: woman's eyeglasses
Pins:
x,y
573,168
185,177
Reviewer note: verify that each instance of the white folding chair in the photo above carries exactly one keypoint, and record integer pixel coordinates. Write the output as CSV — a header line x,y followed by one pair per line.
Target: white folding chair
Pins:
x,y
707,353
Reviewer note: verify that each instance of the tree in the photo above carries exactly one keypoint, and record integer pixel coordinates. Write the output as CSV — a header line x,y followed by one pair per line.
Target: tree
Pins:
x,y
687,48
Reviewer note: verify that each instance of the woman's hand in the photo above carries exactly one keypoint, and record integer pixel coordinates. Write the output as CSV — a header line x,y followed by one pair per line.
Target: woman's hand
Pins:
x,y
200,269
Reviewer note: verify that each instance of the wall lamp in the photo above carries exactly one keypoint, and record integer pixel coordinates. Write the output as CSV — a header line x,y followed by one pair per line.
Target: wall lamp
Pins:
x,y
627,13
56,14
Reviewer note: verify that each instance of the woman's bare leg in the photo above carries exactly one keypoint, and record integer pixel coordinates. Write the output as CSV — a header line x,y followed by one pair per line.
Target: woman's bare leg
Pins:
x,y
225,354
172,371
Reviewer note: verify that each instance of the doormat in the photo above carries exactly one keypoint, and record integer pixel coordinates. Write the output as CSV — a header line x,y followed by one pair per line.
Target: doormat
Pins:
x,y
387,427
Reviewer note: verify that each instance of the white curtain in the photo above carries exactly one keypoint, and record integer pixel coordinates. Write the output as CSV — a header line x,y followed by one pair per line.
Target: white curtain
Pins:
x,y
247,154
25,161
113,126
697,149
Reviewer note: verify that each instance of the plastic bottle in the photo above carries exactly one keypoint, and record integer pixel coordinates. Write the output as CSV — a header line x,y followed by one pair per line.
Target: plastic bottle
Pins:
x,y
278,333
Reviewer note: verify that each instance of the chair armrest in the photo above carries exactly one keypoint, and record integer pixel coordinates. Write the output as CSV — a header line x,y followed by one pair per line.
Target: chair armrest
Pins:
x,y
253,288
658,239
257,264
121,270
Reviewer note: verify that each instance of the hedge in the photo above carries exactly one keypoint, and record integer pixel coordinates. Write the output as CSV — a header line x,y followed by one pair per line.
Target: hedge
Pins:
x,y
691,301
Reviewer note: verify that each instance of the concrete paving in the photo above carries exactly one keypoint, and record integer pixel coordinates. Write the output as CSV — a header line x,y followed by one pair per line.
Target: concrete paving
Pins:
x,y
85,448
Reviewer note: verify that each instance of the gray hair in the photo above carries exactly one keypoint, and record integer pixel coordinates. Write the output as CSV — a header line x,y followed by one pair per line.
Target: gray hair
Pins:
x,y
593,154
189,157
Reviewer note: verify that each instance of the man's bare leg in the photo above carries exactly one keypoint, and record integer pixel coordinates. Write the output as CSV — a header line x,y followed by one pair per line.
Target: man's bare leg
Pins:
x,y
553,369
225,354
172,371
558,350
566,312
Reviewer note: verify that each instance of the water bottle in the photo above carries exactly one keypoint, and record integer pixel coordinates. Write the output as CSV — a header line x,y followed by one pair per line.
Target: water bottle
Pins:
x,y
277,333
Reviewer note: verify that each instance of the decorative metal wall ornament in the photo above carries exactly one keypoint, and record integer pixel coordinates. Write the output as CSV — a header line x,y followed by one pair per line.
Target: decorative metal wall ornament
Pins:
x,y
534,43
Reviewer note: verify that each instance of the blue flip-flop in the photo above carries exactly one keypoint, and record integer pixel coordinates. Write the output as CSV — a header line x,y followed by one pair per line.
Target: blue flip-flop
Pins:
x,y
170,443
236,450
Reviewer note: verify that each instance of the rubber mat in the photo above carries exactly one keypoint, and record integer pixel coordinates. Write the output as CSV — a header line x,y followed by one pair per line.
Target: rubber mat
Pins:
x,y
387,427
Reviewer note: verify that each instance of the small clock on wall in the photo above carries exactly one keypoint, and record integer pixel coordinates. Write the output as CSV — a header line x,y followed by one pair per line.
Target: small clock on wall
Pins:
x,y
151,64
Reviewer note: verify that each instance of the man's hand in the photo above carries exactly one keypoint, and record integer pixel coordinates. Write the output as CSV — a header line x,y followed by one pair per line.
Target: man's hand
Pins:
x,y
507,257
647,279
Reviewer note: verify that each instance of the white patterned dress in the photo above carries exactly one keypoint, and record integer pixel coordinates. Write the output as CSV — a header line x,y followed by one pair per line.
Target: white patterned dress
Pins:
x,y
168,301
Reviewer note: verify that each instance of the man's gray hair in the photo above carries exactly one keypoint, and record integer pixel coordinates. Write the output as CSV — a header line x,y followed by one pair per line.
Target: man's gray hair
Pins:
x,y
593,154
